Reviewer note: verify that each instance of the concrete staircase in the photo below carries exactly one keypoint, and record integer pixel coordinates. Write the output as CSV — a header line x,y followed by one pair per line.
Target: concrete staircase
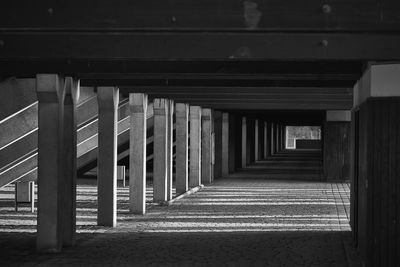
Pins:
x,y
19,132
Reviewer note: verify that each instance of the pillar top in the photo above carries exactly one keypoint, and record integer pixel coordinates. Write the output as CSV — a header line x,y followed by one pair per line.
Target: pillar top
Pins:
x,y
195,112
338,115
137,102
72,89
379,80
50,88
108,95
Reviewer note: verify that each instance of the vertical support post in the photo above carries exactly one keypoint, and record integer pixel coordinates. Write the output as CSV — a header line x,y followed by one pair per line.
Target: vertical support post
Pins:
x,y
244,142
137,153
232,150
170,145
195,146
277,138
225,144
206,146
160,150
182,147
256,141
108,99
218,143
265,125
68,200
51,93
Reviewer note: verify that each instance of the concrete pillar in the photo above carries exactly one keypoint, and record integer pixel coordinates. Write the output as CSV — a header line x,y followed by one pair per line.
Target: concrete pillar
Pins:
x,y
160,175
195,146
137,153
212,146
68,200
244,142
277,138
256,141
108,99
265,151
225,144
218,144
206,146
182,147
283,137
51,94
170,146
273,141
232,143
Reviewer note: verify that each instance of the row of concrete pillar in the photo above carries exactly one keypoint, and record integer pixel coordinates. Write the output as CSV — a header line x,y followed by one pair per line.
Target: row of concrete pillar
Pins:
x,y
269,139
202,148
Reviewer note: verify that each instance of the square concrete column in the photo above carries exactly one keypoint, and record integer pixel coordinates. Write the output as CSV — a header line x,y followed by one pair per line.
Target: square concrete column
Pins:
x,y
195,146
232,150
265,154
182,147
256,141
68,200
137,153
273,141
51,93
206,146
218,144
283,137
108,99
244,142
160,175
170,145
225,144
277,136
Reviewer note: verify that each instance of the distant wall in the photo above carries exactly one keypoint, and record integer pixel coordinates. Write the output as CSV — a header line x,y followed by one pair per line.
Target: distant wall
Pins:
x,y
308,144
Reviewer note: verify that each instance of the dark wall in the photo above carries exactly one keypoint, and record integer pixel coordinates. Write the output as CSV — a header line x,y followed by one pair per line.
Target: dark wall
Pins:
x,y
378,172
336,150
308,144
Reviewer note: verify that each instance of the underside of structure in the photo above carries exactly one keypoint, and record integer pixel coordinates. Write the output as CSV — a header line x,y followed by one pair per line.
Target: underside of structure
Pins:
x,y
200,101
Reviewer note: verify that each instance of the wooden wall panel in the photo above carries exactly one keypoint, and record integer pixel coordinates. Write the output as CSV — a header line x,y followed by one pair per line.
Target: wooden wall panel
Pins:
x,y
337,150
379,187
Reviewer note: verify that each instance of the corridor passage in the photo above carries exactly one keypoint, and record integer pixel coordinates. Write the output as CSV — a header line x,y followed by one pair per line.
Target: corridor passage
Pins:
x,y
236,221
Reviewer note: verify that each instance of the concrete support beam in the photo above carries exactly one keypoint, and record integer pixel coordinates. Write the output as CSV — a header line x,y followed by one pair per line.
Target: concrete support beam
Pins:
x,y
195,146
338,115
379,80
160,175
218,144
137,153
256,140
206,146
232,149
170,145
68,200
182,147
265,136
244,142
51,94
225,144
273,138
108,99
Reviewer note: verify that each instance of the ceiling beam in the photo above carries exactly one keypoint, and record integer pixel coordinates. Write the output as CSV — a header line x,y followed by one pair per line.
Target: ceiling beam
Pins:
x,y
250,45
